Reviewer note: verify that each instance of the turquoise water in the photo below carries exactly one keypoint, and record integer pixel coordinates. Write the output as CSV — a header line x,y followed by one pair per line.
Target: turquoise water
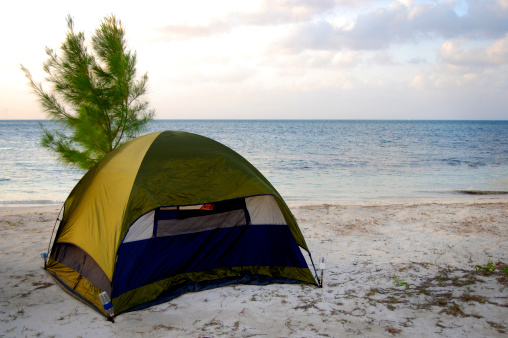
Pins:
x,y
311,160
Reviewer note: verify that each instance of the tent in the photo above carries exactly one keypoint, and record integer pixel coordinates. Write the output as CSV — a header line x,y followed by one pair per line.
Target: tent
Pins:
x,y
172,212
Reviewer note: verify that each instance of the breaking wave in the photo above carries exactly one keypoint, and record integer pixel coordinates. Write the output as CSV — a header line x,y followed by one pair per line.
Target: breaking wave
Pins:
x,y
481,192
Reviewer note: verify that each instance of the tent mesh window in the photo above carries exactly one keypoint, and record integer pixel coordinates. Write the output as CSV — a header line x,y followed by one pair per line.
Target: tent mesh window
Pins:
x,y
184,220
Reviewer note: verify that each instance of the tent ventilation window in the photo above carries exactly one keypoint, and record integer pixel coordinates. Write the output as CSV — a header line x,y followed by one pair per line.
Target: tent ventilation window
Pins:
x,y
196,218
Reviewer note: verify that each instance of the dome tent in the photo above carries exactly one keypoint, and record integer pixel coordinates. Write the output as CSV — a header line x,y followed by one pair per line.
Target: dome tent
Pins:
x,y
172,212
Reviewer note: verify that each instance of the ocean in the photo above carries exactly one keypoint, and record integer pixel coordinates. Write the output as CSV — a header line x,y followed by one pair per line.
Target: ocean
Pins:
x,y
306,161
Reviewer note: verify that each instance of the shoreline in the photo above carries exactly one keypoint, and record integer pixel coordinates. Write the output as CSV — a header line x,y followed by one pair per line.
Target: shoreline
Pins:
x,y
400,268
471,195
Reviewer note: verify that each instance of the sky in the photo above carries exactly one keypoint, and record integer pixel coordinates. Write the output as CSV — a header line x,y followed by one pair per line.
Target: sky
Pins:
x,y
283,59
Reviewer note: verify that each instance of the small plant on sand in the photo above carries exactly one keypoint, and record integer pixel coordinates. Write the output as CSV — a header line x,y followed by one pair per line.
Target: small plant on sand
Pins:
x,y
393,331
372,292
14,224
163,327
236,325
468,297
398,282
442,280
500,328
487,269
505,269
454,310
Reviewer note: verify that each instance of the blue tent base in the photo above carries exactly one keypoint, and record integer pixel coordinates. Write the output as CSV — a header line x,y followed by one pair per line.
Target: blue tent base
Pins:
x,y
202,286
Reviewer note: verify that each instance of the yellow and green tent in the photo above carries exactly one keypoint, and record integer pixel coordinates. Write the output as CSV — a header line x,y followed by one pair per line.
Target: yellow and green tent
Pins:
x,y
172,212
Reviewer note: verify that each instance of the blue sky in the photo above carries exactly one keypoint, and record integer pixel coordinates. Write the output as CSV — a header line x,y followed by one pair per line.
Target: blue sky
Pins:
x,y
285,59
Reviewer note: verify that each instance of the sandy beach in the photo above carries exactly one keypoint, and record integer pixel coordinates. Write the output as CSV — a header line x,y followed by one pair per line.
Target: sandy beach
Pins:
x,y
416,268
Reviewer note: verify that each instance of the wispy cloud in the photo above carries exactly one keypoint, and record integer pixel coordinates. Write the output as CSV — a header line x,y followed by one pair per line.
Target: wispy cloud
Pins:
x,y
269,13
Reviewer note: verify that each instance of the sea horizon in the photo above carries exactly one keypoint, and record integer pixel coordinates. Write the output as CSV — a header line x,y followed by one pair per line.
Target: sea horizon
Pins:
x,y
289,119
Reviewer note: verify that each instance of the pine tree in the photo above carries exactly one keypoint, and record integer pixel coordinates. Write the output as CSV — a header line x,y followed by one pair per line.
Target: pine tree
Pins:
x,y
95,97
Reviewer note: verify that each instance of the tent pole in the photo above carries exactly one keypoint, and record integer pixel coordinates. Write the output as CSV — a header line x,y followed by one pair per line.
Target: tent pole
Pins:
x,y
51,238
315,271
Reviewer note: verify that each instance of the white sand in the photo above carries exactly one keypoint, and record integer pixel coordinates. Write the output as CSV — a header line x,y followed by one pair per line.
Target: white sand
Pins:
x,y
404,269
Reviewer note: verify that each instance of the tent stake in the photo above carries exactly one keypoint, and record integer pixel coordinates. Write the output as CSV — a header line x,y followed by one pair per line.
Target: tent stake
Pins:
x,y
322,267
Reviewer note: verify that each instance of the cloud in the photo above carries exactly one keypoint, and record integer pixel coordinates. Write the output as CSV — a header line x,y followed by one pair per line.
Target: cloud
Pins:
x,y
233,75
468,70
286,11
403,22
347,59
419,82
214,74
461,83
270,13
456,53
181,32
382,57
417,61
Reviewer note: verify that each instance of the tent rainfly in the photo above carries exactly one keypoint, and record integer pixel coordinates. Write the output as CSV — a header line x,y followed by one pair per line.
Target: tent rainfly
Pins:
x,y
172,212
